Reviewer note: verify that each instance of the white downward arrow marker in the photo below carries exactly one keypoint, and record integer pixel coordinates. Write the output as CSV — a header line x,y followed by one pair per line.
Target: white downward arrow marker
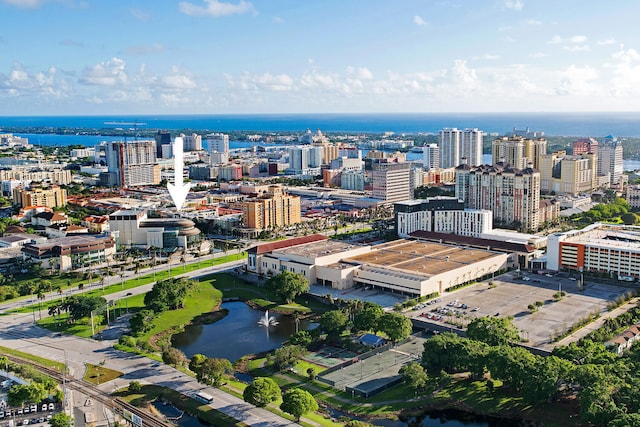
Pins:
x,y
179,190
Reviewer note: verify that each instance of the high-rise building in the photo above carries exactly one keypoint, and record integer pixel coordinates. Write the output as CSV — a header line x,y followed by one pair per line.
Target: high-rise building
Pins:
x,y
217,142
273,209
192,142
441,215
513,195
585,146
352,180
610,160
518,151
163,138
329,151
456,145
564,174
130,164
391,181
302,160
431,156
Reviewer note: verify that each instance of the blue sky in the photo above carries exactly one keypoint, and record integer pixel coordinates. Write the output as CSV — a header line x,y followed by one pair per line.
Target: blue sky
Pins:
x,y
69,57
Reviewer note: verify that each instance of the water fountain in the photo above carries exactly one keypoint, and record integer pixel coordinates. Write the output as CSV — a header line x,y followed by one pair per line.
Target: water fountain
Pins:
x,y
267,321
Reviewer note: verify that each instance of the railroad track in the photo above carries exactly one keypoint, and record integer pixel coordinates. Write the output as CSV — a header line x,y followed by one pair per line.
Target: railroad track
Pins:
x,y
117,405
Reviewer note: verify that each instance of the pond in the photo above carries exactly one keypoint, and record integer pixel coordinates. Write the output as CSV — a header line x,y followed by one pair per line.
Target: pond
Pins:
x,y
237,334
450,418
178,417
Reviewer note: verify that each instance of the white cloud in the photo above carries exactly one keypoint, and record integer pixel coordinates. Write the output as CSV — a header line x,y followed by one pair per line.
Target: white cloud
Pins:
x,y
26,4
578,39
577,48
360,73
216,8
277,20
606,42
488,57
515,5
533,22
575,80
538,55
44,84
108,73
555,40
505,28
140,15
419,21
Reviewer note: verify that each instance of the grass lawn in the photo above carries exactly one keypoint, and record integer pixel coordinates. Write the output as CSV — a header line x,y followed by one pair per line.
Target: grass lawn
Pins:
x,y
97,290
39,360
203,299
150,393
96,374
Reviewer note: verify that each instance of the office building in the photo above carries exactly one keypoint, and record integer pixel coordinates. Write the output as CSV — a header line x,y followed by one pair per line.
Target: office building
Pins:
x,y
67,253
352,180
230,172
305,161
456,145
217,142
131,164
633,195
192,142
610,159
441,215
608,249
51,197
513,195
518,151
133,228
163,143
431,156
391,181
561,173
329,151
272,209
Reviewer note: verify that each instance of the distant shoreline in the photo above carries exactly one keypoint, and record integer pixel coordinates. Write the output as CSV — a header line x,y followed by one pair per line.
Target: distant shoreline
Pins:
x,y
596,125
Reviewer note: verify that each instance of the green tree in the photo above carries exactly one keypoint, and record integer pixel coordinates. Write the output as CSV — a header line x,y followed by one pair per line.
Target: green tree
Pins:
x,y
333,322
22,393
492,330
196,361
61,420
173,356
261,392
142,321
288,285
301,338
214,371
414,375
297,402
395,325
368,317
135,386
287,355
626,420
80,306
629,218
168,294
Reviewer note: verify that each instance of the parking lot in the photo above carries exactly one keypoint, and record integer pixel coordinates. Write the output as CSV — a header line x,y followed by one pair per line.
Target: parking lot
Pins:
x,y
511,296
29,415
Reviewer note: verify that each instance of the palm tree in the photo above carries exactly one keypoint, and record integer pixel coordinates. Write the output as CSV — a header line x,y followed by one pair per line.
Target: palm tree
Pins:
x,y
81,287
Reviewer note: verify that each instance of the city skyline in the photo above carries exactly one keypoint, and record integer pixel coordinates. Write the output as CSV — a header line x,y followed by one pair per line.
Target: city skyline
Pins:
x,y
69,57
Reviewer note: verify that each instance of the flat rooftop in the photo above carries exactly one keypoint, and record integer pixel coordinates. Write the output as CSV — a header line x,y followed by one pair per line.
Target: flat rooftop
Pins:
x,y
620,239
318,249
427,258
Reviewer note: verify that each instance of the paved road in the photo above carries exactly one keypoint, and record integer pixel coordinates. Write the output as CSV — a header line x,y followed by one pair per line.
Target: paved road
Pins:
x,y
18,331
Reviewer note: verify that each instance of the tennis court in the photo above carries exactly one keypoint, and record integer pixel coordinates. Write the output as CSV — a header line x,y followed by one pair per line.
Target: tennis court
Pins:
x,y
378,372
330,356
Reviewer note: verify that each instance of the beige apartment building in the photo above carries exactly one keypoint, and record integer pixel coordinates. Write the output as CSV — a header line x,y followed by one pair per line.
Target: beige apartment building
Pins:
x,y
272,209
518,151
513,195
51,197
561,173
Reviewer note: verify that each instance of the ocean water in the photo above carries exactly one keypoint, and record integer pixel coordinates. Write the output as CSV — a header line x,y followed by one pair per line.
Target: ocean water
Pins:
x,y
566,124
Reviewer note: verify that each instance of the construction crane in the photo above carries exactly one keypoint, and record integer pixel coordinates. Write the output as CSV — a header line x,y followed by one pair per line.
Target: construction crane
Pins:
x,y
134,124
